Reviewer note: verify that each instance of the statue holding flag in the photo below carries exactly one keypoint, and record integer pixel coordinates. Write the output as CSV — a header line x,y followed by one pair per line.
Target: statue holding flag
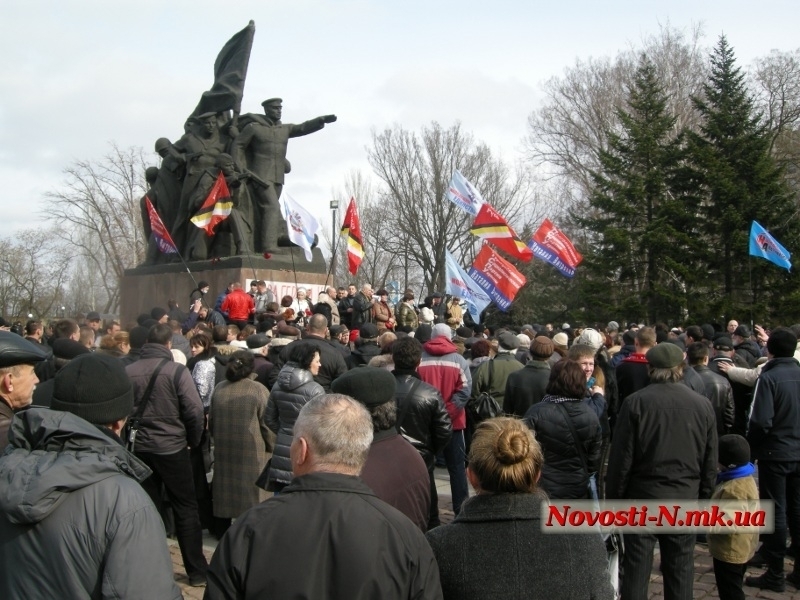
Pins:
x,y
194,166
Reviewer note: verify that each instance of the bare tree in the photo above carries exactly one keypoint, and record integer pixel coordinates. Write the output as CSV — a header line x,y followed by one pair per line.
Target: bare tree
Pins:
x,y
97,213
417,221
566,135
33,272
776,81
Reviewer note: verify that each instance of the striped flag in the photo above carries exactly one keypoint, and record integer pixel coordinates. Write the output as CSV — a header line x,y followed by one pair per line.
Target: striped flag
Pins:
x,y
160,233
216,208
351,227
491,226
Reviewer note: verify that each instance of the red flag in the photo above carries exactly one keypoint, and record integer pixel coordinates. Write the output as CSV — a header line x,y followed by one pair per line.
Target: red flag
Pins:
x,y
163,239
498,277
351,227
553,238
492,227
216,208
551,245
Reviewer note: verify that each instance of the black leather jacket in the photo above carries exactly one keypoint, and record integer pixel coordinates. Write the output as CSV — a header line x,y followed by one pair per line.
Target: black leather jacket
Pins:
x,y
421,418
719,391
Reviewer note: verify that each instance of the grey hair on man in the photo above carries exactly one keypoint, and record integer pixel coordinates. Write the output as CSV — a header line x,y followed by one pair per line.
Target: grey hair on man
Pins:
x,y
338,431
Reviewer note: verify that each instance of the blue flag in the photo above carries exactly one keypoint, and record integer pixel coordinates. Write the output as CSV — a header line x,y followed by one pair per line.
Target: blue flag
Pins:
x,y
463,286
763,245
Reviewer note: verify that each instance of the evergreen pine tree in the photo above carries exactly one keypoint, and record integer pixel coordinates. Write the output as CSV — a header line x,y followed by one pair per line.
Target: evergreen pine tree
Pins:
x,y
739,182
640,220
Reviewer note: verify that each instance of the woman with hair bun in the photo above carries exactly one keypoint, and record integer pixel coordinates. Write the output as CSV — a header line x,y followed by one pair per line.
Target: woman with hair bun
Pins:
x,y
495,547
242,442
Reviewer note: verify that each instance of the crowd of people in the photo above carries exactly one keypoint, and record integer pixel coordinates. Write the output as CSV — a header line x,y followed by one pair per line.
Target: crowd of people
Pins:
x,y
304,434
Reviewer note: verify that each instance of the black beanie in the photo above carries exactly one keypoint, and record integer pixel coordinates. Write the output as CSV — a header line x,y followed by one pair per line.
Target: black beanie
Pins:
x,y
94,387
782,343
372,386
734,451
138,336
157,312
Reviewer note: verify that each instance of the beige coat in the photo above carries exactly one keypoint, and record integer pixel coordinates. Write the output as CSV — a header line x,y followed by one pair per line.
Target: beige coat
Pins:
x,y
735,548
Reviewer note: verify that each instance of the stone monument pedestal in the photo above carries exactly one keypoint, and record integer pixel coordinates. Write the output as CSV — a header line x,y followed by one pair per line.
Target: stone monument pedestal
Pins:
x,y
145,287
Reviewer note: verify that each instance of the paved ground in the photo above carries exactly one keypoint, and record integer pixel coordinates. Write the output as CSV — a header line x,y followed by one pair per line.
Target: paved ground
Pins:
x,y
704,586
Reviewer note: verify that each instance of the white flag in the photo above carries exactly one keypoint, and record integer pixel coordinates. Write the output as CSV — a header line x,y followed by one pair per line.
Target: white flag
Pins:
x,y
463,194
302,225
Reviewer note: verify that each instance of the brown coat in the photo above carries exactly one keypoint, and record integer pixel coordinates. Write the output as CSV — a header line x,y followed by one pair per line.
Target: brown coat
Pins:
x,y
382,313
242,445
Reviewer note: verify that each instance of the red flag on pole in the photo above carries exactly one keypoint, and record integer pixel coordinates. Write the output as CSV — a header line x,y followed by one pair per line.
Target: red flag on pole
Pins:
x,y
163,239
351,227
492,227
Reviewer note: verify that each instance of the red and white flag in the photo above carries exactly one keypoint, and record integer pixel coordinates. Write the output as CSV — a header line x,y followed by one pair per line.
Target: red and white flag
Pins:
x,y
351,227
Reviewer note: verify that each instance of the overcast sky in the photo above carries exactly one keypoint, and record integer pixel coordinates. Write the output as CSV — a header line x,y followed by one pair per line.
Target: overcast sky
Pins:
x,y
78,75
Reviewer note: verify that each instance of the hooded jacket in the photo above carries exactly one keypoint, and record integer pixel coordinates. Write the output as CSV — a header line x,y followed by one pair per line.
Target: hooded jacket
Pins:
x,y
295,386
74,521
446,370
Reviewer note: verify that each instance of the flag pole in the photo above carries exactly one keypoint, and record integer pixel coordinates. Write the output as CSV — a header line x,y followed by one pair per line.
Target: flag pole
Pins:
x,y
294,271
333,260
250,260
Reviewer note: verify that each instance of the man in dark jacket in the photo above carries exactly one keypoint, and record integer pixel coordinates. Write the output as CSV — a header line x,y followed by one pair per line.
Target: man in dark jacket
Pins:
x,y
526,387
369,549
742,394
774,436
170,419
422,418
362,307
346,306
367,346
492,375
652,458
745,347
394,470
332,363
632,371
717,388
74,521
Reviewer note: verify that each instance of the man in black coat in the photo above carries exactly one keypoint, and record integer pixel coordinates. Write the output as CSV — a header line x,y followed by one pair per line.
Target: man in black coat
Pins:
x,y
774,436
526,387
664,447
717,388
422,418
742,394
332,361
368,549
745,347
